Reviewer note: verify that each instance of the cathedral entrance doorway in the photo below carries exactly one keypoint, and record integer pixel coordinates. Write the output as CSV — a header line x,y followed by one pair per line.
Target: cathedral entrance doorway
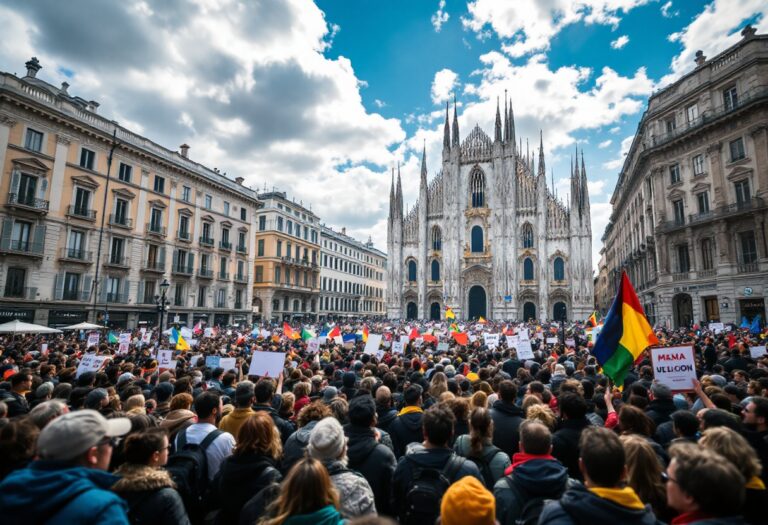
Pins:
x,y
682,308
434,311
559,312
529,311
411,311
477,302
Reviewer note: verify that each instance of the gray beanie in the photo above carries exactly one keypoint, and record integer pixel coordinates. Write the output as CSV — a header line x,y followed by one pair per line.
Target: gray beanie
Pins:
x,y
44,390
327,440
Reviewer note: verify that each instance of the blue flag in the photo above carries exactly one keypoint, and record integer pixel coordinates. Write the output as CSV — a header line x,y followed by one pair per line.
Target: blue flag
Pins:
x,y
744,322
349,338
755,328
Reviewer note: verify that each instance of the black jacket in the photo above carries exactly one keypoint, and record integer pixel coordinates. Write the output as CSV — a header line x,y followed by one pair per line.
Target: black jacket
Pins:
x,y
150,496
386,417
660,410
375,461
579,505
536,478
565,444
286,428
406,429
239,479
506,426
296,446
17,403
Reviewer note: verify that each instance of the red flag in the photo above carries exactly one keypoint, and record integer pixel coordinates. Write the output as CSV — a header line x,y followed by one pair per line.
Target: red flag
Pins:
x,y
428,338
731,340
461,338
414,334
334,333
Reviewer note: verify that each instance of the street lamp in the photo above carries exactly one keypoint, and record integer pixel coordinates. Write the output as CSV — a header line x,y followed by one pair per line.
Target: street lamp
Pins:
x,y
162,302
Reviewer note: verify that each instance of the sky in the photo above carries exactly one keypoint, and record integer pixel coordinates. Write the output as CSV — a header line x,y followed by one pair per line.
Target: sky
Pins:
x,y
321,99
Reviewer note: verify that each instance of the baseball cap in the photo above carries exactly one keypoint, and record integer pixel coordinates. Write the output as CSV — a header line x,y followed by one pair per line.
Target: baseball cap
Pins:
x,y
72,434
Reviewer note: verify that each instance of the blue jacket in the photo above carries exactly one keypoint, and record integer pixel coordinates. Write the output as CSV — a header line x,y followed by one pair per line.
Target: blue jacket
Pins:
x,y
54,493
325,516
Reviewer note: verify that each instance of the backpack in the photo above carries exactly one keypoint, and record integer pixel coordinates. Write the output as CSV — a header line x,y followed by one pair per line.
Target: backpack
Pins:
x,y
188,467
484,464
531,510
425,492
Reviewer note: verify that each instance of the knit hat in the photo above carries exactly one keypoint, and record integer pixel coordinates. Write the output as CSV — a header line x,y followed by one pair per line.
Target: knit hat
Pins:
x,y
329,394
44,390
94,398
163,392
327,440
468,502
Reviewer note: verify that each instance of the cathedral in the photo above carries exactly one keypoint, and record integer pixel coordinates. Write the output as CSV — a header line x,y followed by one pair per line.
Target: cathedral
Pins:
x,y
487,237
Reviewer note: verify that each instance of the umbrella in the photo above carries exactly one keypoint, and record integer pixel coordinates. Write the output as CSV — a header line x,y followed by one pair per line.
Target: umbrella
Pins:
x,y
84,326
17,327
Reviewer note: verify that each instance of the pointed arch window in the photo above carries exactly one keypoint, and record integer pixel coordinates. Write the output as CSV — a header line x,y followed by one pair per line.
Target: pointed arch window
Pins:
x,y
477,240
411,271
437,239
477,189
528,269
559,269
527,236
435,270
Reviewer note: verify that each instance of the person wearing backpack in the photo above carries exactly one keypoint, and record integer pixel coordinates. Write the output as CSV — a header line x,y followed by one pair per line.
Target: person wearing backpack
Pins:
x,y
424,474
477,447
534,477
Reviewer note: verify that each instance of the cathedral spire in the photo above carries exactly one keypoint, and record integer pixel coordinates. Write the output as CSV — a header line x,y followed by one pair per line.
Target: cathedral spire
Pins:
x,y
446,130
399,193
511,123
392,194
455,123
584,190
497,135
506,118
542,170
424,165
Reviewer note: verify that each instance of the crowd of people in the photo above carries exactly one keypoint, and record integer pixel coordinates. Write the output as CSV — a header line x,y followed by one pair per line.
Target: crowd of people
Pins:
x,y
465,435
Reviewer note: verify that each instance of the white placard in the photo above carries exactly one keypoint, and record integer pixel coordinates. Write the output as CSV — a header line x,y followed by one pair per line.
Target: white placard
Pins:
x,y
267,364
442,347
146,338
397,347
552,340
164,358
472,338
338,340
404,339
674,367
44,348
193,359
90,363
757,351
523,334
513,341
418,342
570,343
228,363
124,337
539,335
372,344
524,350
123,349
93,339
491,340
208,332
313,345
716,327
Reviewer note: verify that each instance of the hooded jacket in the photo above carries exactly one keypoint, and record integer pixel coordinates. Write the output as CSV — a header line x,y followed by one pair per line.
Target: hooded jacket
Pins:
x,y
565,444
295,446
234,420
506,426
150,495
386,417
660,410
374,460
240,478
325,516
56,493
533,477
581,505
406,428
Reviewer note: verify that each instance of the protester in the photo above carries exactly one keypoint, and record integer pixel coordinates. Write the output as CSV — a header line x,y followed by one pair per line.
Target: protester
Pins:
x,y
407,428
566,439
245,397
478,447
506,416
644,470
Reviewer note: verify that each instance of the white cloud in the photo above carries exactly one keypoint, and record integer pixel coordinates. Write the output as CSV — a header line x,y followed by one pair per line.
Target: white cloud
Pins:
x,y
604,144
595,187
614,130
617,163
667,12
528,26
379,103
440,17
620,42
443,85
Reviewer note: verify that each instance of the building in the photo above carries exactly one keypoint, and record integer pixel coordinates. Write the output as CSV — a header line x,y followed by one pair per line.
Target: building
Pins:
x,y
690,205
487,237
603,297
352,276
96,217
286,277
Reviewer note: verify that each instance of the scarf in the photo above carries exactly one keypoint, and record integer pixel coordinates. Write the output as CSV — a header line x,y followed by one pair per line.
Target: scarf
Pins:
x,y
626,497
521,457
755,483
690,517
410,410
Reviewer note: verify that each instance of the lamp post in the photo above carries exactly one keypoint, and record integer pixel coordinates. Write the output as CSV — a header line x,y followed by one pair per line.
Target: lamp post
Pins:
x,y
162,302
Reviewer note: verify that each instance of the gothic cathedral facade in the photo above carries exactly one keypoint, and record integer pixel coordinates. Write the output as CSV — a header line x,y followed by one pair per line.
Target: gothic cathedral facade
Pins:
x,y
487,237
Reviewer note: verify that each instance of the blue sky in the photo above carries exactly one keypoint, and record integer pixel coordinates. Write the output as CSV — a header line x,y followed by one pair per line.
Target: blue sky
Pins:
x,y
315,98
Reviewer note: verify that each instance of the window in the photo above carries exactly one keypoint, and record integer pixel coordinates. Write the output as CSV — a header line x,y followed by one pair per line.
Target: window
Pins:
x,y
528,269
670,124
241,241
477,189
186,194
674,173
692,113
14,282
226,208
679,211
260,248
241,268
27,189
71,286
279,248
121,212
706,254
437,239
82,202
112,289
683,260
224,235
238,299
183,227
559,269
208,202
125,172
748,247
477,240
411,271
262,223
75,244
737,149
223,266
527,236
207,232
277,274
279,224
181,260
205,262
730,98
154,259
289,227
435,270
703,200
202,291
149,292
159,184
34,140
87,158
742,192
156,220
698,165
243,214
178,295
116,252
259,274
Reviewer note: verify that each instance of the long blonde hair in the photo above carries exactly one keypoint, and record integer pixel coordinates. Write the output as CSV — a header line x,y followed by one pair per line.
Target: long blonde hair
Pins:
x,y
732,445
306,489
644,470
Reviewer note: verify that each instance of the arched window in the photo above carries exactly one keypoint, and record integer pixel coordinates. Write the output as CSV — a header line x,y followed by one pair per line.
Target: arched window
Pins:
x,y
527,236
528,269
437,238
435,270
559,269
411,271
477,189
477,240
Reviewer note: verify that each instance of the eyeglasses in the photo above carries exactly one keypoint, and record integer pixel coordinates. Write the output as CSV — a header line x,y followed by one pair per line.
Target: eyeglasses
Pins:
x,y
666,478
111,441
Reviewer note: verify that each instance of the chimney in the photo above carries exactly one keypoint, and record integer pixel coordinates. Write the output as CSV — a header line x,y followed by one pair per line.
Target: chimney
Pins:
x,y
700,58
184,150
64,87
93,106
343,230
33,66
239,180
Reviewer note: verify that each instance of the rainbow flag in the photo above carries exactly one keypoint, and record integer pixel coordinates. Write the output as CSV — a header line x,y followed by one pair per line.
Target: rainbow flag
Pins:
x,y
449,313
181,343
365,333
625,334
592,321
289,332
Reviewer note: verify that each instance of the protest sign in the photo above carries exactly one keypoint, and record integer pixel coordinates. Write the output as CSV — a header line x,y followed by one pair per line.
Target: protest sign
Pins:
x,y
267,364
338,340
571,343
124,337
674,367
491,340
208,332
228,363
123,349
372,345
552,340
716,327
313,345
524,349
512,341
44,348
404,339
472,338
540,335
397,347
146,338
90,363
442,347
757,351
523,334
193,359
93,339
418,342
212,361
164,358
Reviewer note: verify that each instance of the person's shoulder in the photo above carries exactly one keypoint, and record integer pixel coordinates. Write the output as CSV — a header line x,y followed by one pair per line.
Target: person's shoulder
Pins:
x,y
553,512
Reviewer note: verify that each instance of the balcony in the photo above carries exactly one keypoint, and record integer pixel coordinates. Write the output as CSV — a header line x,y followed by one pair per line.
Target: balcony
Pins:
x,y
185,236
76,255
121,221
153,266
156,229
81,212
205,273
705,274
117,261
74,295
750,267
19,292
111,297
24,202
242,248
206,241
225,246
222,276
739,208
24,247
304,263
241,278
181,269
701,217
681,276
668,226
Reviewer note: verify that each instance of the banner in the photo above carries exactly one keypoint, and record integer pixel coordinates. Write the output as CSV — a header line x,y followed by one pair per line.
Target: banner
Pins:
x,y
372,345
757,351
90,363
124,337
674,367
571,343
123,349
552,340
212,361
267,364
716,327
44,348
